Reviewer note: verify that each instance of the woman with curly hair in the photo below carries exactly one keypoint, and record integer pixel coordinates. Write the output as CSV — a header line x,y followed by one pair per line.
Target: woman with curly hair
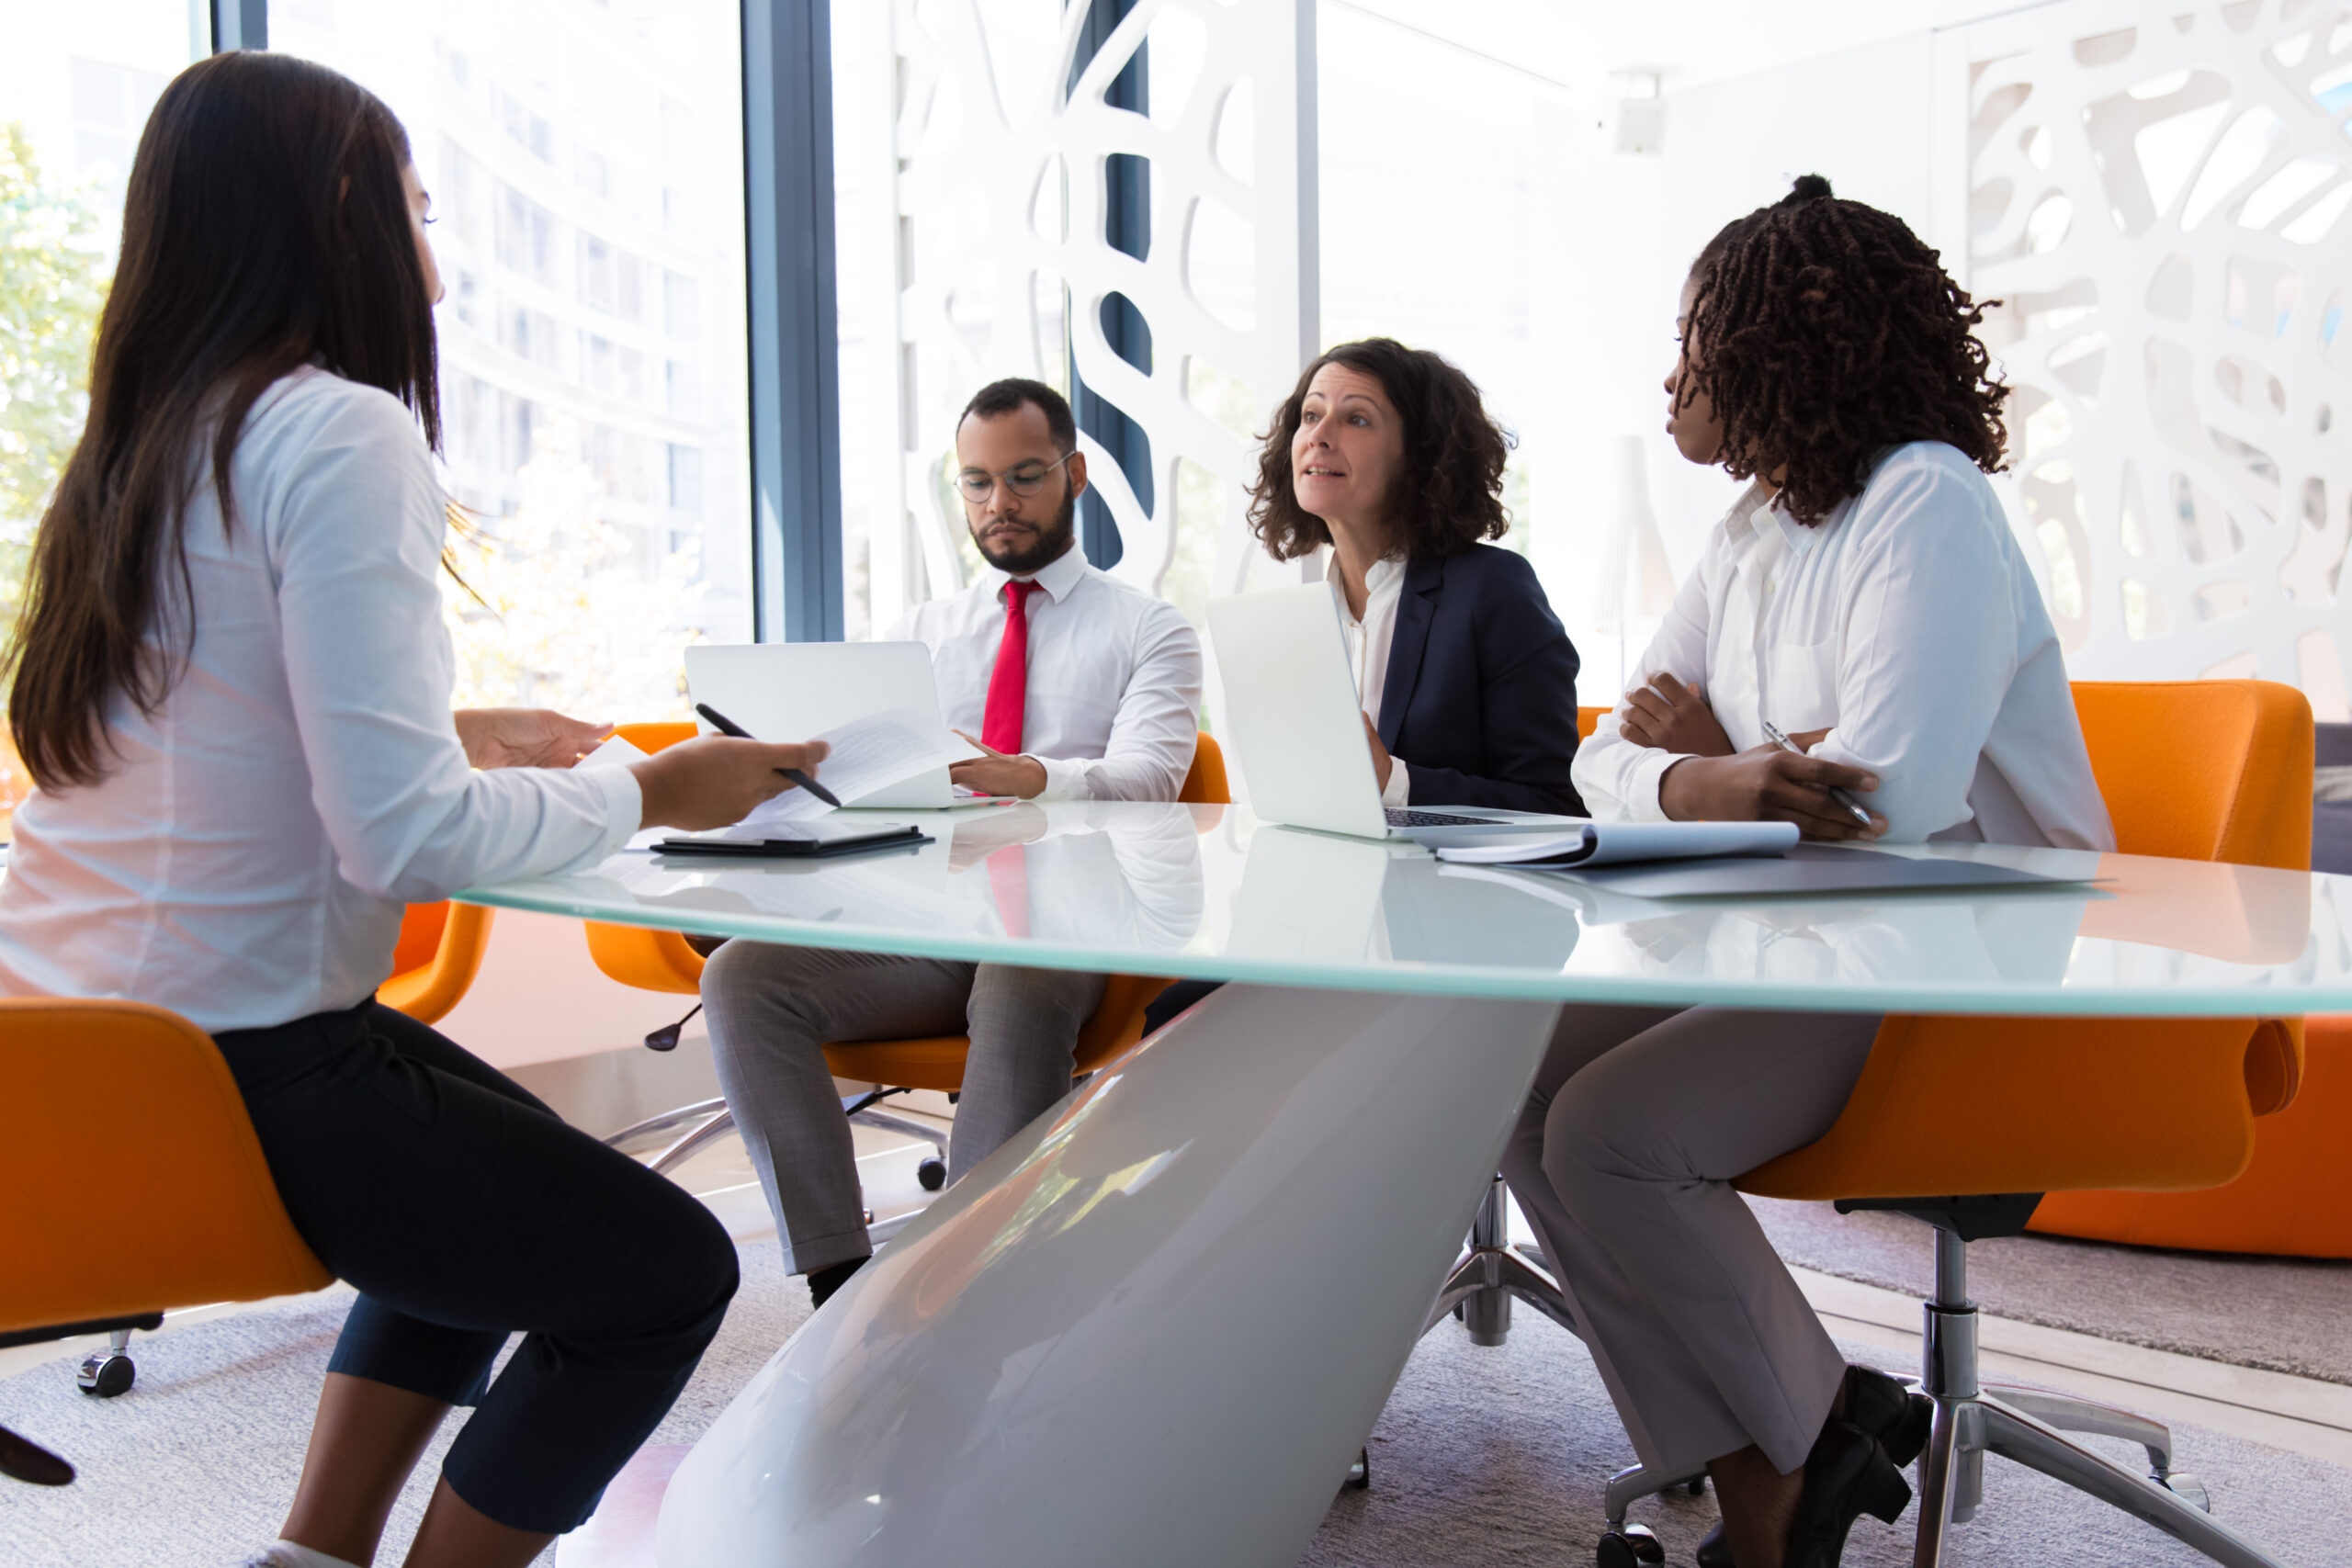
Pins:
x,y
1467,680
1865,597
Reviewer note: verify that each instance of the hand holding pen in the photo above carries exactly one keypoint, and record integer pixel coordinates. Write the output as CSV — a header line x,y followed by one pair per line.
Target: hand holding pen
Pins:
x,y
726,726
1853,808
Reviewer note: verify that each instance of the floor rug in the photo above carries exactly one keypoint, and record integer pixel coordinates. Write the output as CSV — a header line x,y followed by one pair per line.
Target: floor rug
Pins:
x,y
1484,1457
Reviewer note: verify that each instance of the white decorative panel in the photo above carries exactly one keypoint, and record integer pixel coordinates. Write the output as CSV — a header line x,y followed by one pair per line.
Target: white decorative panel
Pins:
x,y
999,190
2158,195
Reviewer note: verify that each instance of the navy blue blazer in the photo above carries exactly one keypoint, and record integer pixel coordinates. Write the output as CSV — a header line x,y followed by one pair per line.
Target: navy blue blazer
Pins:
x,y
1481,695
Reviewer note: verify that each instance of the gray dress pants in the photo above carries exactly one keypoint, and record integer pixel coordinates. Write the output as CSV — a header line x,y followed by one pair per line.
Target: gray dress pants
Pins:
x,y
771,1009
1640,1120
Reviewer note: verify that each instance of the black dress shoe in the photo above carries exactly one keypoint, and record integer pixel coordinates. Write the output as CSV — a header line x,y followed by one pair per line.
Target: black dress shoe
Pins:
x,y
1898,1419
1713,1551
1847,1475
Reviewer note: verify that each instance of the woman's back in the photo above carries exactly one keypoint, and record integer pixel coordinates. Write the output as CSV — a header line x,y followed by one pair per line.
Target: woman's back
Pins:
x,y
246,856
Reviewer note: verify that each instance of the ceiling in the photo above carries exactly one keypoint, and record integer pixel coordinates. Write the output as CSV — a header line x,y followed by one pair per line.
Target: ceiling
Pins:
x,y
1587,46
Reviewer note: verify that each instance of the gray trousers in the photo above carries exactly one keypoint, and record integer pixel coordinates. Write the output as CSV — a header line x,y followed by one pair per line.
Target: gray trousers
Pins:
x,y
1622,1161
771,1010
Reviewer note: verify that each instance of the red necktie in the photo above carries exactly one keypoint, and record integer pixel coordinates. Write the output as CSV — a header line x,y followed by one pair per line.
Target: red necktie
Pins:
x,y
1000,725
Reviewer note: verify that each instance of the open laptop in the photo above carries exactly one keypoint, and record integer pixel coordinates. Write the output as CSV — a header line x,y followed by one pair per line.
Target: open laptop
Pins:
x,y
789,690
1298,731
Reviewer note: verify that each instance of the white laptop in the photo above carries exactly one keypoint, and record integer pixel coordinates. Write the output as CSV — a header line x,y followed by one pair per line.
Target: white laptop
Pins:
x,y
789,690
1297,730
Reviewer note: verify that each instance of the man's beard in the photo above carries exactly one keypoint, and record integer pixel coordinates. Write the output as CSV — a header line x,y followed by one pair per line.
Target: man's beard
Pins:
x,y
1047,549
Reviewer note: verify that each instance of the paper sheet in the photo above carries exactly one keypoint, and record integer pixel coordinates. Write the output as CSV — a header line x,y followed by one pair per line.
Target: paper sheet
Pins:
x,y
615,752
868,753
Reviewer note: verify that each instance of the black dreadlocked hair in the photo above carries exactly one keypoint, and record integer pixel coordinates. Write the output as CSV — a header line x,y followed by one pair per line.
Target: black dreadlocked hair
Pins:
x,y
1822,331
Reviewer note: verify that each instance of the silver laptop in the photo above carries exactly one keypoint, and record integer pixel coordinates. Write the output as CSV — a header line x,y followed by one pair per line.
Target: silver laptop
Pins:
x,y
789,690
1297,730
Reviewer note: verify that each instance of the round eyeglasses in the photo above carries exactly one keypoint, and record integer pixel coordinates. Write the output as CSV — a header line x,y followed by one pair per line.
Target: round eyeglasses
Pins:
x,y
1022,479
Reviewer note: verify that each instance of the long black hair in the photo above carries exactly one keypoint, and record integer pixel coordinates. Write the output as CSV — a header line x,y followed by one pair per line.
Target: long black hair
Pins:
x,y
264,226
1822,330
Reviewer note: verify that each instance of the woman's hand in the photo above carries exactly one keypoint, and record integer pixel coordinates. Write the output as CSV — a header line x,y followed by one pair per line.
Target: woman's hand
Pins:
x,y
526,737
1383,764
713,782
1670,716
1767,785
999,772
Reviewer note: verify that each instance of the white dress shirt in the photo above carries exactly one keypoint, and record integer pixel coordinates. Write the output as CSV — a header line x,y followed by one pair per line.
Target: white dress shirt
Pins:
x,y
1369,642
1907,624
246,860
1115,678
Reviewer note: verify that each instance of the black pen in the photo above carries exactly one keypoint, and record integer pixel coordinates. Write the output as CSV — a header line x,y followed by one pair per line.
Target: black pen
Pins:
x,y
1771,732
726,726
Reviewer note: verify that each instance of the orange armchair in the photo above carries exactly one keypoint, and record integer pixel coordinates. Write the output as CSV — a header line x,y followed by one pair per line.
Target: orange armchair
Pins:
x,y
440,953
1966,1123
191,1214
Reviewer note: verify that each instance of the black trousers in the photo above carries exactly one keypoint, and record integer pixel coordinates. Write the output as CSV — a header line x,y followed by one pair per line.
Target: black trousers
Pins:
x,y
464,1211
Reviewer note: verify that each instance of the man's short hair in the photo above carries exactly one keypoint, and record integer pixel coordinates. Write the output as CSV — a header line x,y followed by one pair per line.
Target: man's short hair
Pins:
x,y
999,398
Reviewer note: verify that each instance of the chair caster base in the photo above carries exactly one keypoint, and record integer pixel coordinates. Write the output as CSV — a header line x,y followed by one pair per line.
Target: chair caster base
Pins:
x,y
1629,1546
1359,1476
932,1174
105,1373
2188,1489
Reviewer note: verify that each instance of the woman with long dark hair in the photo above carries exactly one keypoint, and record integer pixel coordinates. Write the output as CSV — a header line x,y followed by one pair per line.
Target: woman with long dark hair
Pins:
x,y
1866,598
231,685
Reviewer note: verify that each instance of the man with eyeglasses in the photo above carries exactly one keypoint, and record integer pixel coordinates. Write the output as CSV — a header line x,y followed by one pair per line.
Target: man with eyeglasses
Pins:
x,y
1079,686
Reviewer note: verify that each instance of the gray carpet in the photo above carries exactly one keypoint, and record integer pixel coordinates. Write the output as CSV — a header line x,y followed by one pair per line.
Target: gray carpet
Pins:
x,y
2284,1314
1484,1458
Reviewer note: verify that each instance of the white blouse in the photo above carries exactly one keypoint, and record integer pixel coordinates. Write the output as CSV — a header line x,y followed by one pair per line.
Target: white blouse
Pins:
x,y
246,860
1370,641
1909,624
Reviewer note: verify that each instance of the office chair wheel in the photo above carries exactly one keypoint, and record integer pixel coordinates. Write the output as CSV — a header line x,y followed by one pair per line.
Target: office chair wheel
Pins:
x,y
1629,1546
1359,1476
931,1173
1696,1486
2188,1489
105,1373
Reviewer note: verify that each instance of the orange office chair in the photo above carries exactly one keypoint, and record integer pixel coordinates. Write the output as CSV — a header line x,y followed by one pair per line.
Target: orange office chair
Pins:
x,y
440,953
1965,1122
661,961
191,1214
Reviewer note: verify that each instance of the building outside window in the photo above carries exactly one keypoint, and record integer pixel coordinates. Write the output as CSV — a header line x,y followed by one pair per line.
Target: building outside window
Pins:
x,y
586,162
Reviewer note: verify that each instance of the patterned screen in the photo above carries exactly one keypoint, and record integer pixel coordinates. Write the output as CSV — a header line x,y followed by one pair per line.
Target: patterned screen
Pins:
x,y
2158,194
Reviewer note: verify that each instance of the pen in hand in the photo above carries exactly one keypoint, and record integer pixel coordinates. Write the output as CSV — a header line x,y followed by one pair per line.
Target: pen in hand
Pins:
x,y
1772,733
726,726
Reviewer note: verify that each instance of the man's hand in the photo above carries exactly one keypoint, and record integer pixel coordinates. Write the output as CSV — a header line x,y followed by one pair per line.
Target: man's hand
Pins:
x,y
1767,785
715,780
1383,764
526,737
998,773
1671,717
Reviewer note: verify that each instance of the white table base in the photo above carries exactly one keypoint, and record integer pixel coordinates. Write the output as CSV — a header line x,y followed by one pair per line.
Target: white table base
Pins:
x,y
1153,1328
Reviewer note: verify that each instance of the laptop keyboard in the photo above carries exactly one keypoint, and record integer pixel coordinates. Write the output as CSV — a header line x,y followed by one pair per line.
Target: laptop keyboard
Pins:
x,y
1405,816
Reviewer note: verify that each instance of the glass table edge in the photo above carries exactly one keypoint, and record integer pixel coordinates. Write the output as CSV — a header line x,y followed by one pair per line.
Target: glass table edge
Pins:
x,y
1470,983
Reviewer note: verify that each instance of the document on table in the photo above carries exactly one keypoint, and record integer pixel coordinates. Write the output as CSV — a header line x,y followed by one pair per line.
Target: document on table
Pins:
x,y
1612,844
868,753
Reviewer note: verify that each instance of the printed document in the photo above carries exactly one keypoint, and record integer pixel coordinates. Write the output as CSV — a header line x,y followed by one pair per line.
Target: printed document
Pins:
x,y
868,753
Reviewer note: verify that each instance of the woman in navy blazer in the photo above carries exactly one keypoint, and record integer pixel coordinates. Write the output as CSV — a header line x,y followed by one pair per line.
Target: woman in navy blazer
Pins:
x,y
1385,454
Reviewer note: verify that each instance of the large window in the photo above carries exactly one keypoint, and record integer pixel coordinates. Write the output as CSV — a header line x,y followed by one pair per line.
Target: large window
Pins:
x,y
586,166
75,85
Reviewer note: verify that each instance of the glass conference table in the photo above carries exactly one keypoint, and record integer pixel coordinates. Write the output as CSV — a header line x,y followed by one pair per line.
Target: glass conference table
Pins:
x,y
1156,1326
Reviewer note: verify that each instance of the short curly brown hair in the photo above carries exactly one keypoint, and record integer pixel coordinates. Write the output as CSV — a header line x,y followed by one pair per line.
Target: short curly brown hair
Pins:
x,y
1824,331
1449,487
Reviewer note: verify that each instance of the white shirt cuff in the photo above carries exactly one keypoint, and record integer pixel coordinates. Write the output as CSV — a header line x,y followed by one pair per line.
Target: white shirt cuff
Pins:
x,y
1642,786
624,807
1400,784
1065,779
